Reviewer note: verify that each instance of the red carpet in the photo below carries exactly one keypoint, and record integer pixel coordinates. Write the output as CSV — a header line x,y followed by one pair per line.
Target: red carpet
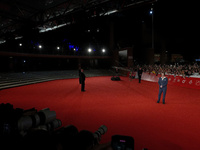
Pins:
x,y
125,107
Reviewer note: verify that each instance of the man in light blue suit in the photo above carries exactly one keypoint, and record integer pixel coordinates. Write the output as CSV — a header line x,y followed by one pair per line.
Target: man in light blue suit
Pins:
x,y
163,81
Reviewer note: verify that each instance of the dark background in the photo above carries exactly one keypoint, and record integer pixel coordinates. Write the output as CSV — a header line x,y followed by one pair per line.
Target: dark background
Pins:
x,y
175,27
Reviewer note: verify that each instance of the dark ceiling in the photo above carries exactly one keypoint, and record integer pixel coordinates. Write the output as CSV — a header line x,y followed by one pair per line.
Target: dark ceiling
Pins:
x,y
176,24
18,15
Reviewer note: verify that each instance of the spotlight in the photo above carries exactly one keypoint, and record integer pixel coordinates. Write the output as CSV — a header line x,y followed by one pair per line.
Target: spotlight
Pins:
x,y
40,46
151,11
103,50
58,48
89,50
20,44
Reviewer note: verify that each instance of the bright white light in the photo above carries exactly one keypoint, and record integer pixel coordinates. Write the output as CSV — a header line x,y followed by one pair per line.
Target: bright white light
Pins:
x,y
58,48
19,37
53,28
89,50
103,50
2,41
151,11
74,49
109,12
20,44
40,46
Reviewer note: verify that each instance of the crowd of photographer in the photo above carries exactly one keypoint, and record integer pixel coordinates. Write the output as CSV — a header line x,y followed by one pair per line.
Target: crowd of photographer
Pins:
x,y
40,130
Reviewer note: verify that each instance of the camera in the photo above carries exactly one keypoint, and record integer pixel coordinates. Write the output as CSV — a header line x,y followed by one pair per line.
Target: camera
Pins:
x,y
121,142
19,122
97,134
32,124
85,139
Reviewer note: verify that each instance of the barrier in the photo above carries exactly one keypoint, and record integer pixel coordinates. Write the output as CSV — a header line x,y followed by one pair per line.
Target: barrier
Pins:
x,y
189,82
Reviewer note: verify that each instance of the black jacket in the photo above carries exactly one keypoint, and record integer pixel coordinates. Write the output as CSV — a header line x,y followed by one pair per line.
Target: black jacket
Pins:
x,y
82,77
139,72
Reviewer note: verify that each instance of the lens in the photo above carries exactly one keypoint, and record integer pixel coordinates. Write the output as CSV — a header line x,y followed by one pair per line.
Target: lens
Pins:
x,y
24,123
36,119
102,130
46,116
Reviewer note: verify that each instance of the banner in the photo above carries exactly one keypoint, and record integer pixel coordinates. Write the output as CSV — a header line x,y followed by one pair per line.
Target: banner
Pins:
x,y
189,82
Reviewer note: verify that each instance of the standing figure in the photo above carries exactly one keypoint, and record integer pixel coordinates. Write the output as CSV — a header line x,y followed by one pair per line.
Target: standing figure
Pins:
x,y
140,74
79,74
82,78
130,76
163,81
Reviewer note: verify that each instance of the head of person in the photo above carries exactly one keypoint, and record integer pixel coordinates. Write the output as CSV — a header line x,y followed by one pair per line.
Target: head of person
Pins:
x,y
162,74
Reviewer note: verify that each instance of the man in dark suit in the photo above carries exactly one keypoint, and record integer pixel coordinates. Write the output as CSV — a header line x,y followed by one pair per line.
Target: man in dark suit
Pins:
x,y
140,74
82,79
79,74
163,81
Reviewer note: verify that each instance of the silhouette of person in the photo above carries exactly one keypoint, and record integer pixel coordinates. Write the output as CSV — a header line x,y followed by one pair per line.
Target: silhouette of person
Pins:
x,y
140,74
82,77
79,74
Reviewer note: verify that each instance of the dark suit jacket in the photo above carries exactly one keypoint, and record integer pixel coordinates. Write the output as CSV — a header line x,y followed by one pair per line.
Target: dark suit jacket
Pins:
x,y
82,77
163,82
139,72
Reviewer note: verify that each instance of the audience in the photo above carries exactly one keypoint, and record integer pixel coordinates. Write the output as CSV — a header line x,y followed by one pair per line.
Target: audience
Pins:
x,y
185,70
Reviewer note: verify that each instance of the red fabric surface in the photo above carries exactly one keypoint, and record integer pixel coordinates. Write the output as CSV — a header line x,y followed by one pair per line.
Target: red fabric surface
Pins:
x,y
125,107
